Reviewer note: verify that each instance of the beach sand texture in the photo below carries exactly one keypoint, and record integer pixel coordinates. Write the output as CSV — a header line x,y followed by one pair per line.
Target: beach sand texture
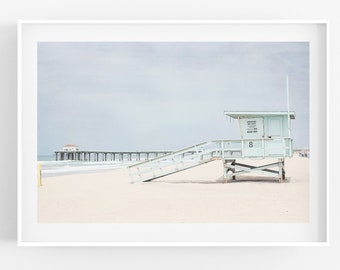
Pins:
x,y
197,195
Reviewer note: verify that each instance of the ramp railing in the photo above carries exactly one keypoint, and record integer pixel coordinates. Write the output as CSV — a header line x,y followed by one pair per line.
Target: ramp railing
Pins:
x,y
176,161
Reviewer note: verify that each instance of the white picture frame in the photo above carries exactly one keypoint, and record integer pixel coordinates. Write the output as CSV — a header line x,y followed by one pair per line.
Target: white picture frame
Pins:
x,y
31,233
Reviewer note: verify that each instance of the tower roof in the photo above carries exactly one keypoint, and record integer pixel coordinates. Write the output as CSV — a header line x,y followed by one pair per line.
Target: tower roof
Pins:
x,y
246,114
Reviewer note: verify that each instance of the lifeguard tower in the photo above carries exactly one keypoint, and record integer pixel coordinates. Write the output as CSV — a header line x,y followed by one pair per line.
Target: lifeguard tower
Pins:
x,y
263,135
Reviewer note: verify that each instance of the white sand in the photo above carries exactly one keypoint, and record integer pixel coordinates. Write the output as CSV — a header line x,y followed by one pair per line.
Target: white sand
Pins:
x,y
195,195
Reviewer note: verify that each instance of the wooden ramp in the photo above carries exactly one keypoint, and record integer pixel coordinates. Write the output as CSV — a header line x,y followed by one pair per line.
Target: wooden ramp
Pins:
x,y
227,150
174,162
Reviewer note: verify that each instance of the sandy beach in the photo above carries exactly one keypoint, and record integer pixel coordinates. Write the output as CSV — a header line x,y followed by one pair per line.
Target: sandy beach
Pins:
x,y
197,195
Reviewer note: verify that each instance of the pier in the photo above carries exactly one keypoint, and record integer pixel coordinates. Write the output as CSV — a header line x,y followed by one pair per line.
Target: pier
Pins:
x,y
108,156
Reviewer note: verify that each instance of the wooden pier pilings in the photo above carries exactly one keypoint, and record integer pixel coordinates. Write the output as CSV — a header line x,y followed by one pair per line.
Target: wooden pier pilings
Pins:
x,y
107,156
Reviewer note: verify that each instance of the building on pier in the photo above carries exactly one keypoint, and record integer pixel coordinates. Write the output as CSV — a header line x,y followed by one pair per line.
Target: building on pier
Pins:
x,y
70,147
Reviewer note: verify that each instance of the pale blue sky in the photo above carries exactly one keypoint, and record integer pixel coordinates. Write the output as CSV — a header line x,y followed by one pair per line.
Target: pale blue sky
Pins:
x,y
163,95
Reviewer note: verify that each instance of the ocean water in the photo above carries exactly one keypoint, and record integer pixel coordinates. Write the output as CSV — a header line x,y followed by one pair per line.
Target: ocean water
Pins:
x,y
51,167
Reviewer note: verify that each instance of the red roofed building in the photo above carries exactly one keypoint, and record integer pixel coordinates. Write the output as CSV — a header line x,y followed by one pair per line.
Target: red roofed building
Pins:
x,y
71,147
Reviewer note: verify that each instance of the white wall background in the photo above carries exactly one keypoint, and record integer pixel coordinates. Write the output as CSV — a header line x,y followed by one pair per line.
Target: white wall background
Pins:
x,y
12,257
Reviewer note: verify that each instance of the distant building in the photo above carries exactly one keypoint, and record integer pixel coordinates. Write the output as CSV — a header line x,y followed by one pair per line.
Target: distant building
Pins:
x,y
71,147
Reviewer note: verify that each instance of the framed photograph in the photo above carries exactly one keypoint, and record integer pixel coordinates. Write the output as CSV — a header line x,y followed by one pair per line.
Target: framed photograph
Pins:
x,y
172,133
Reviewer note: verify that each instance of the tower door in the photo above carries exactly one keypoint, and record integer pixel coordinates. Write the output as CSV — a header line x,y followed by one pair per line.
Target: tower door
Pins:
x,y
275,146
275,127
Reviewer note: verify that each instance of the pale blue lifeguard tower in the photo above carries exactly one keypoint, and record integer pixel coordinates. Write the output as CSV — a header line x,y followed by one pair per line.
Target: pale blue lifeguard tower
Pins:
x,y
263,135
